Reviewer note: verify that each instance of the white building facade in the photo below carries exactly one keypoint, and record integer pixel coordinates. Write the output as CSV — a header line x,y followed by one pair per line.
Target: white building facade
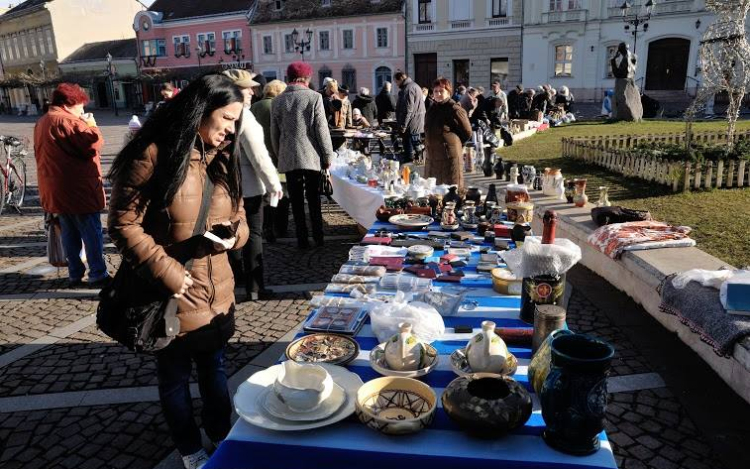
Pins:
x,y
570,42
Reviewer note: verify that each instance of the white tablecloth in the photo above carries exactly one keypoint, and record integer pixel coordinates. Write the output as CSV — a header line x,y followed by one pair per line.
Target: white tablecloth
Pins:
x,y
360,201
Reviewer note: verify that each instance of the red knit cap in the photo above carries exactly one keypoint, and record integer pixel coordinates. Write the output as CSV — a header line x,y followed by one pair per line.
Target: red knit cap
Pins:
x,y
298,70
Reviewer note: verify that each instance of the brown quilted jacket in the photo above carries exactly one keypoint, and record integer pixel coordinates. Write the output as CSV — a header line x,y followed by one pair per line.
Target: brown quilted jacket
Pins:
x,y
152,243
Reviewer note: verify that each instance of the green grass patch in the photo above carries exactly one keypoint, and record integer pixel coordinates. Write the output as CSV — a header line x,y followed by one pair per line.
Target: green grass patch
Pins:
x,y
720,218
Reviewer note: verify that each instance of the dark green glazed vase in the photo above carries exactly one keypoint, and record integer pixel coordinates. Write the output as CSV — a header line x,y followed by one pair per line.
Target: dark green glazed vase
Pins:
x,y
574,395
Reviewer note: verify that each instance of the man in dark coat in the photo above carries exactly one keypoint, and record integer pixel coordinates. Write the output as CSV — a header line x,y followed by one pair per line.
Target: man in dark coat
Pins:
x,y
409,113
366,103
515,96
386,103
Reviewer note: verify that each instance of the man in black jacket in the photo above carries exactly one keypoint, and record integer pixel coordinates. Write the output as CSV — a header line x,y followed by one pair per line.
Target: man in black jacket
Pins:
x,y
409,113
515,97
386,103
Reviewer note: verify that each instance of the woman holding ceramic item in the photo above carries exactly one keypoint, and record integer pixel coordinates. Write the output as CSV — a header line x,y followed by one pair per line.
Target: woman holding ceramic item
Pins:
x,y
158,182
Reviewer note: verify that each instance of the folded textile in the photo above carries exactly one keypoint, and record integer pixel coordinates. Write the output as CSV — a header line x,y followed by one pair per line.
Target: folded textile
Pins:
x,y
672,243
699,308
612,239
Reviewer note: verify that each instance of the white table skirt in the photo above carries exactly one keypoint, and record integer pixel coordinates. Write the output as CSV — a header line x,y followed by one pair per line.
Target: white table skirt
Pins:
x,y
360,201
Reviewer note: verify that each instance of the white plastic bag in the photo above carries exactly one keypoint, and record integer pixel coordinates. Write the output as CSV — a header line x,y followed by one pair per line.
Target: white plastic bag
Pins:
x,y
534,258
427,324
707,278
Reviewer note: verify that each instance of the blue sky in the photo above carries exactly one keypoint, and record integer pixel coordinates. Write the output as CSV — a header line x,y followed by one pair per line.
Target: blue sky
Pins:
x,y
4,3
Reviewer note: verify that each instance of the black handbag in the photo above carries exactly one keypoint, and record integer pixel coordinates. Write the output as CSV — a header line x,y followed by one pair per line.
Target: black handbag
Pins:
x,y
326,187
137,314
616,214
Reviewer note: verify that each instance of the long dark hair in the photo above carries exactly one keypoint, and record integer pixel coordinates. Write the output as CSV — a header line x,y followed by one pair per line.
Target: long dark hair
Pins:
x,y
173,127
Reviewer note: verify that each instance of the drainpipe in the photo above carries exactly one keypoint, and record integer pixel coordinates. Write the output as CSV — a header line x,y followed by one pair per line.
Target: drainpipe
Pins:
x,y
406,36
522,21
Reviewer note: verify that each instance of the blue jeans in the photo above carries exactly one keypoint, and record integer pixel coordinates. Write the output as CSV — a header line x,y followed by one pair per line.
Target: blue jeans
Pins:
x,y
408,141
173,366
86,228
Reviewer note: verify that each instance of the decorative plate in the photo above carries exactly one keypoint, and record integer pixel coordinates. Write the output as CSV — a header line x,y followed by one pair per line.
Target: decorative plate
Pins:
x,y
379,364
460,364
396,406
411,220
323,348
248,403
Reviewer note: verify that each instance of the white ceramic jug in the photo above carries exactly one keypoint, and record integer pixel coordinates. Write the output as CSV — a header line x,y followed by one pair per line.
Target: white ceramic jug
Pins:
x,y
404,351
486,351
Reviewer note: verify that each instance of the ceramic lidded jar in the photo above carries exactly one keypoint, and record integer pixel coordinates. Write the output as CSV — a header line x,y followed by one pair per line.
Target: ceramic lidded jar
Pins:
x,y
404,351
580,199
574,395
487,405
486,351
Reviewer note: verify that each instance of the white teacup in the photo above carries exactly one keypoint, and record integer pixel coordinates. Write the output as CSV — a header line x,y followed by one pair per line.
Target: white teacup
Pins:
x,y
302,387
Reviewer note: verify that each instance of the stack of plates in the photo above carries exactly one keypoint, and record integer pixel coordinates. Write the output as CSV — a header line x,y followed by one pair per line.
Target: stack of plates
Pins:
x,y
257,404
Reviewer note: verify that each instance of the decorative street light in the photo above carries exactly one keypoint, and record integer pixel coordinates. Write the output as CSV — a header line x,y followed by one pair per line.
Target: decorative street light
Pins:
x,y
301,44
637,19
110,75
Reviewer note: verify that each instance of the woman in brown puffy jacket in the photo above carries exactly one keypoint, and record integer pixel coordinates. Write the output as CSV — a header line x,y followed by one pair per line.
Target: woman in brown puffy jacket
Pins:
x,y
157,188
446,129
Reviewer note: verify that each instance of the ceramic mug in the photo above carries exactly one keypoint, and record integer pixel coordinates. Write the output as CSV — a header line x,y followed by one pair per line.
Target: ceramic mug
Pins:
x,y
302,387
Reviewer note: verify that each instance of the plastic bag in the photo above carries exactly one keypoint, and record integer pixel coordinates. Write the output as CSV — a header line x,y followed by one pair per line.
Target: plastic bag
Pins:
x,y
738,276
427,324
535,258
405,283
446,302
55,251
707,278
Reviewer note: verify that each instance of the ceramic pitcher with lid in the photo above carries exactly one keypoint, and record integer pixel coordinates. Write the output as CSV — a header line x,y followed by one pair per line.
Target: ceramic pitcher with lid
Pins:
x,y
404,351
486,351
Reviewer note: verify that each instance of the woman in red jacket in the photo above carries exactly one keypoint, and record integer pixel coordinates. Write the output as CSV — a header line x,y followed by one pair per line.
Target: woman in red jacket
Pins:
x,y
66,146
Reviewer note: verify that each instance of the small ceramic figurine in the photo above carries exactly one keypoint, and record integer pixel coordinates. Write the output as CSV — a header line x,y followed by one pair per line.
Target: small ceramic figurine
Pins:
x,y
603,197
470,219
449,221
403,351
302,387
486,351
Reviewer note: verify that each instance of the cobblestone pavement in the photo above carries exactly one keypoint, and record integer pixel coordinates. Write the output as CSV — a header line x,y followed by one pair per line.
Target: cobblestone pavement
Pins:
x,y
72,398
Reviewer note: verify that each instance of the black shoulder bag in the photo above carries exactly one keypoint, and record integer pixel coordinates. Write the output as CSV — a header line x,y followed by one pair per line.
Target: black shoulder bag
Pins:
x,y
135,313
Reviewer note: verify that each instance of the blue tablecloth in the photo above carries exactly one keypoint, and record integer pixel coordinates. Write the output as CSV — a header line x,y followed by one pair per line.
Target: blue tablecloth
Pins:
x,y
349,444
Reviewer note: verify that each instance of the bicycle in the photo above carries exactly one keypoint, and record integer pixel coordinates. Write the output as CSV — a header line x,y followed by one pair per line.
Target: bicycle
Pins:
x,y
12,173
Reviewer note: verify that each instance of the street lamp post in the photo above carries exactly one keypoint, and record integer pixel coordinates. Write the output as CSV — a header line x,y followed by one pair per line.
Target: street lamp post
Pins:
x,y
302,44
110,76
637,20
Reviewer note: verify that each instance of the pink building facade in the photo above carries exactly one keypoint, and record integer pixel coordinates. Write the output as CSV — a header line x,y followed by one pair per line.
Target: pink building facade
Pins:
x,y
360,47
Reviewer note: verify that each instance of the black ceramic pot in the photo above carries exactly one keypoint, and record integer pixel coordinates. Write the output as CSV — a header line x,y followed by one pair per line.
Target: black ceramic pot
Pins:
x,y
487,166
574,395
487,405
473,193
499,169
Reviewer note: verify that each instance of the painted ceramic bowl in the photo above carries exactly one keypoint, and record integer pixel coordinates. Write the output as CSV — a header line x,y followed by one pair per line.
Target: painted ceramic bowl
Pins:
x,y
380,364
323,348
460,364
505,282
396,406
420,251
487,405
411,221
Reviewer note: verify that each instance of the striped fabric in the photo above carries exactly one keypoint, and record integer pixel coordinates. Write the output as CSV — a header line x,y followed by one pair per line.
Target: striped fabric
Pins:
x,y
349,444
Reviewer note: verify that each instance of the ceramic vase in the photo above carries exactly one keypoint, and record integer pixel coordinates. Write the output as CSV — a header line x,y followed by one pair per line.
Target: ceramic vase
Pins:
x,y
507,165
473,193
487,405
499,169
603,197
574,395
486,351
470,219
488,167
404,351
570,190
580,199
546,182
448,219
540,363
514,174
557,184
452,196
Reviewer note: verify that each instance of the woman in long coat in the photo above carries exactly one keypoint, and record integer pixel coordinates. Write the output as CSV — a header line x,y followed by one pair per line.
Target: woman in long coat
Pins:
x,y
446,129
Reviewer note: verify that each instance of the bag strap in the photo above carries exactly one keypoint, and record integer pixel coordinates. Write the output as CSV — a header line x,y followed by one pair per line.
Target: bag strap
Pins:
x,y
200,224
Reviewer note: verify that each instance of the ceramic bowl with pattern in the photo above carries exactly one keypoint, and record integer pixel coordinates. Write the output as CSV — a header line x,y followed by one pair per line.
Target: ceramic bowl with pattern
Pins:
x,y
323,348
396,406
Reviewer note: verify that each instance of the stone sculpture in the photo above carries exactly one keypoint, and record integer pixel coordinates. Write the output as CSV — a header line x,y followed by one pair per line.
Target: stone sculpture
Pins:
x,y
627,101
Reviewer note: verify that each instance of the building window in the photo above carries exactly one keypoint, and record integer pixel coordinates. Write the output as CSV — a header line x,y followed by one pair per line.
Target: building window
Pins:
x,y
325,40
348,39
563,61
42,45
324,73
349,77
207,42
232,41
278,5
382,74
574,5
611,51
555,5
50,46
32,41
425,11
499,69
326,3
154,47
181,46
15,47
499,8
382,37
269,75
267,45
288,43
2,49
25,46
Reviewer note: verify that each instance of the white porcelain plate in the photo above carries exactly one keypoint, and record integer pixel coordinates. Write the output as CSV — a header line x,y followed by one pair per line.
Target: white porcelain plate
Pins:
x,y
270,402
411,220
379,364
250,408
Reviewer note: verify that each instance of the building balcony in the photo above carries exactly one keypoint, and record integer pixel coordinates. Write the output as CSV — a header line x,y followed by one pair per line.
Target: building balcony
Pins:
x,y
661,8
564,16
423,28
462,24
500,22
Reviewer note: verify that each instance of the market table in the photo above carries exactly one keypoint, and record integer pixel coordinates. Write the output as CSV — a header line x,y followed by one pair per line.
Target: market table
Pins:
x,y
442,445
358,200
